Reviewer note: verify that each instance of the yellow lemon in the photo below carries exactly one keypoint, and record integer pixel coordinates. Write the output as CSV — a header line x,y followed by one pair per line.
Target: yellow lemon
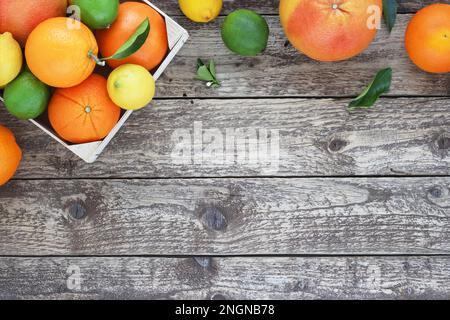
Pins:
x,y
10,59
201,10
131,86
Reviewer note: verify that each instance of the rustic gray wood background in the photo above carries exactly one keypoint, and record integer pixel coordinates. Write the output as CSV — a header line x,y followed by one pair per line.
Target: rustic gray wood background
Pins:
x,y
359,208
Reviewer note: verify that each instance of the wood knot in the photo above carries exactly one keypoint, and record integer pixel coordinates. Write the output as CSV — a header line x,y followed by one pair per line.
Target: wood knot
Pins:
x,y
213,219
77,210
336,145
436,192
439,195
218,296
443,142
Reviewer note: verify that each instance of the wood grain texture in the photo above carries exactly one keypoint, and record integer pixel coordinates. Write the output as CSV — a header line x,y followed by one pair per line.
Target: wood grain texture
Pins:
x,y
283,72
270,7
225,216
226,278
317,137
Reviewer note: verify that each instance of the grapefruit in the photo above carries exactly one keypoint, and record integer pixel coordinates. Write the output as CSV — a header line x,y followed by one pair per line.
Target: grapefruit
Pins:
x,y
20,17
330,30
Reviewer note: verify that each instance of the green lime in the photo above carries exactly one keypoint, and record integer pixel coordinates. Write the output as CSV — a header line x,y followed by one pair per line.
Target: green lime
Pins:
x,y
26,97
97,14
245,32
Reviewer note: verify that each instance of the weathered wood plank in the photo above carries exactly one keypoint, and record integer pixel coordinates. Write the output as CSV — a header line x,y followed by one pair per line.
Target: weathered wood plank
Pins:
x,y
226,216
271,6
317,137
283,71
226,278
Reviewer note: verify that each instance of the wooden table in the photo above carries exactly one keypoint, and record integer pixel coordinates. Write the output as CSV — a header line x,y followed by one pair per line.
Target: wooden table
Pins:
x,y
358,208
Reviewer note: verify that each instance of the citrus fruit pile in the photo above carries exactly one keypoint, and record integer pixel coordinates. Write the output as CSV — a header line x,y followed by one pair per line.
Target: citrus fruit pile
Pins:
x,y
64,40
61,52
49,50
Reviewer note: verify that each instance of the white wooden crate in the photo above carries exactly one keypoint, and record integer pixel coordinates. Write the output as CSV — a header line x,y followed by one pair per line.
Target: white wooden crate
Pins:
x,y
89,152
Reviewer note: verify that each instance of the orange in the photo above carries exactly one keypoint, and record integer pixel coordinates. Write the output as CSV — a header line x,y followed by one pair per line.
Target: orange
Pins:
x,y
331,30
10,155
20,17
84,113
57,52
131,15
427,38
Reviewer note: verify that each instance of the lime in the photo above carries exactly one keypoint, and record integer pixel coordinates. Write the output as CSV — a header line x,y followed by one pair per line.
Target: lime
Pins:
x,y
98,14
10,58
131,86
245,32
26,97
201,10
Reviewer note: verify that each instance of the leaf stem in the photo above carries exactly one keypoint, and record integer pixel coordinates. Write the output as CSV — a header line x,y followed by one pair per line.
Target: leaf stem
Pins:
x,y
98,61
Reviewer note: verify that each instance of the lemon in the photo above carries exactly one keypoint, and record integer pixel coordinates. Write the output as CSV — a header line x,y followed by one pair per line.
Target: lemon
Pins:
x,y
10,59
201,10
131,86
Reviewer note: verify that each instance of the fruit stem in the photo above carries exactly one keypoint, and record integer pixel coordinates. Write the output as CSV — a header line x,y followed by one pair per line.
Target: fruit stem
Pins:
x,y
98,61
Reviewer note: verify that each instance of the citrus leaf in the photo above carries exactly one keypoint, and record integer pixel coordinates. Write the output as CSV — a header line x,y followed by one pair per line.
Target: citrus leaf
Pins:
x,y
134,43
379,85
390,13
207,73
204,74
212,68
199,63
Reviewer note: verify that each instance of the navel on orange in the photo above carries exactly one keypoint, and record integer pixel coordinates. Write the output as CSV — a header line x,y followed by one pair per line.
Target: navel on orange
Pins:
x,y
84,113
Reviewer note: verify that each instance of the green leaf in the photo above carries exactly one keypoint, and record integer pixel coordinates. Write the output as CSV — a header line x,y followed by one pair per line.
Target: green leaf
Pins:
x,y
379,85
207,73
199,63
390,13
212,68
134,43
204,74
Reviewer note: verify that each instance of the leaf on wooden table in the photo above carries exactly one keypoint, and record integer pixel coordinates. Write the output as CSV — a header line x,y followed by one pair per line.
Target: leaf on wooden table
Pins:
x,y
204,74
212,68
207,73
379,85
